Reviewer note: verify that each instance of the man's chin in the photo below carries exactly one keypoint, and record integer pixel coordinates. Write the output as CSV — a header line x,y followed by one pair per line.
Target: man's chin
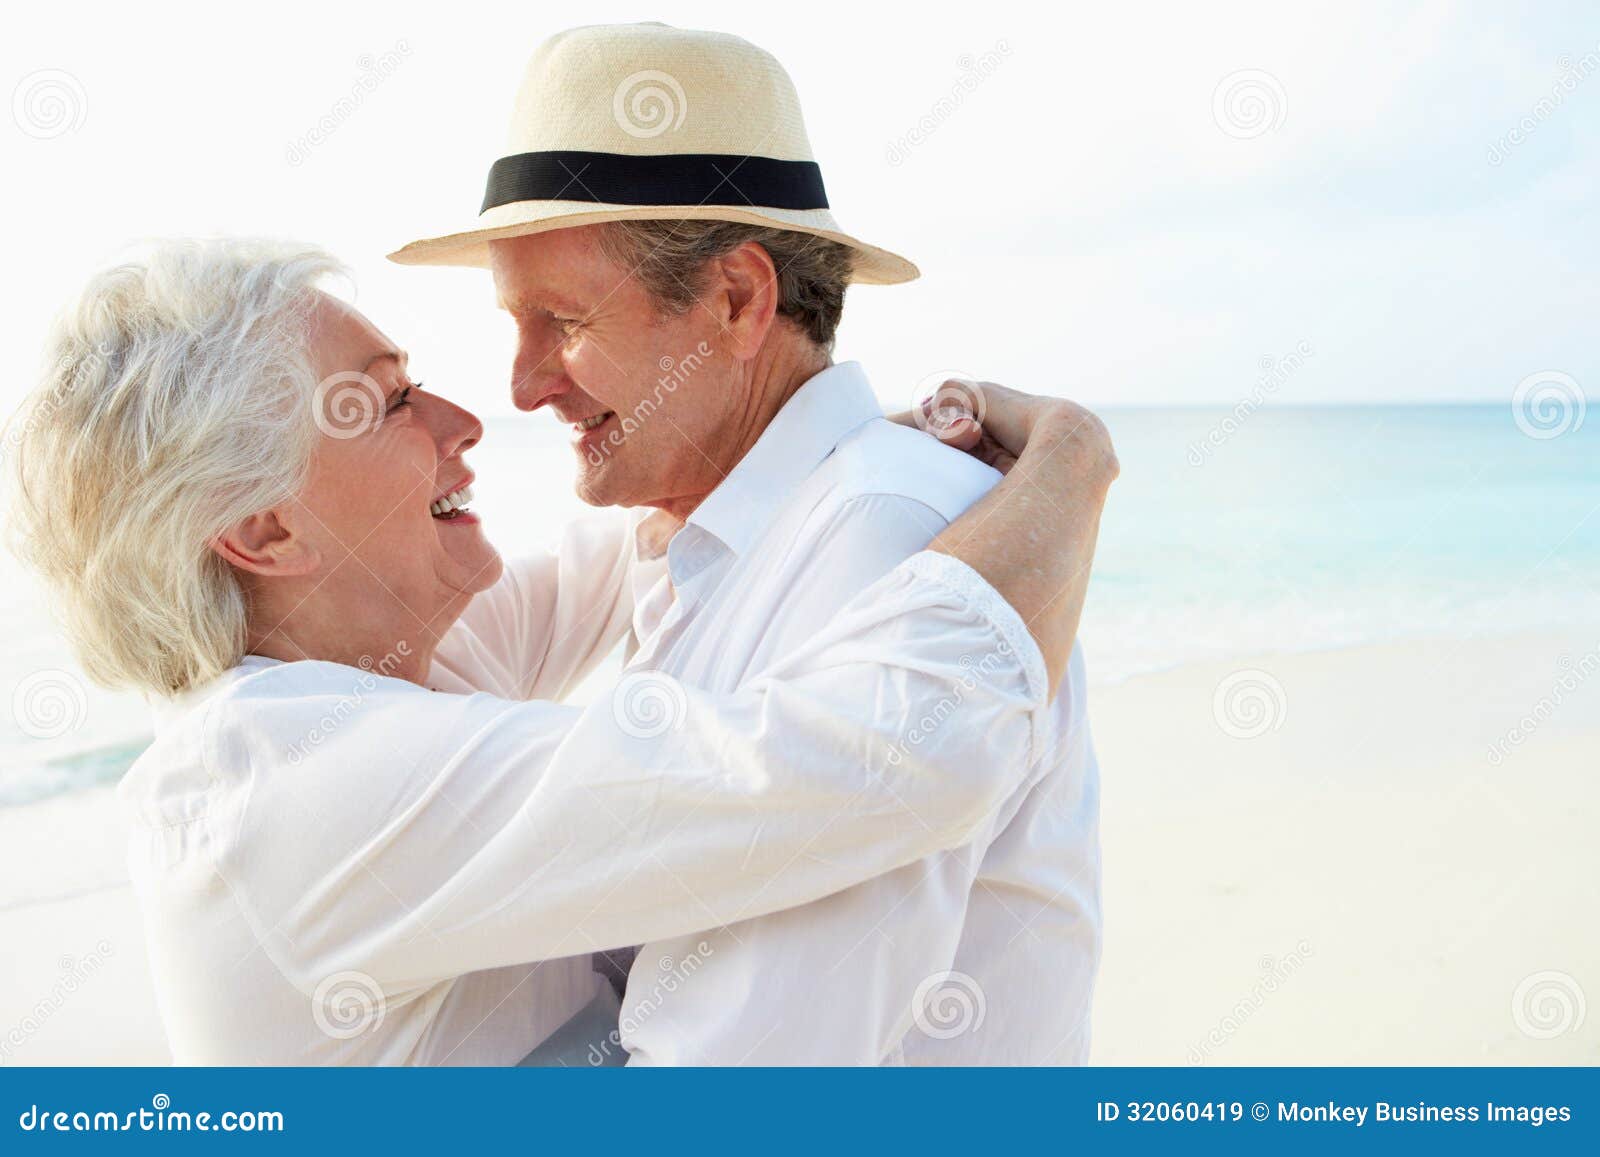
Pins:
x,y
597,489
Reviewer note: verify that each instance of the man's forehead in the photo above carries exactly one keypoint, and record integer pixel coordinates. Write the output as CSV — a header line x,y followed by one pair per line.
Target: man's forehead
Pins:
x,y
530,296
553,271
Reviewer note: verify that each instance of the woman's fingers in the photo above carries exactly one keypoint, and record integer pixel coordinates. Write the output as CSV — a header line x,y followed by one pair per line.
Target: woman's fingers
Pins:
x,y
962,433
991,453
985,419
953,427
994,423
951,415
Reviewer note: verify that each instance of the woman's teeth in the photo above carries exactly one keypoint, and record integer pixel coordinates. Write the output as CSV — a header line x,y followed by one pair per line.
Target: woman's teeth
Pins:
x,y
591,423
452,502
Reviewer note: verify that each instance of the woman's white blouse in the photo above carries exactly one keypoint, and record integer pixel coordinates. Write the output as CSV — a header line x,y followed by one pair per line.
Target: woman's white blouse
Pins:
x,y
340,867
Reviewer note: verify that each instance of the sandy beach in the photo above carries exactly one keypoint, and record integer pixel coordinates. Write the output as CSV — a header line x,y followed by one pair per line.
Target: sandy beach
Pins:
x,y
1340,857
1358,884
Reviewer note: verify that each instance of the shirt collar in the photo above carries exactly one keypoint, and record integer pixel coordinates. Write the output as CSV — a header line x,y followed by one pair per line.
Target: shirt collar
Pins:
x,y
825,409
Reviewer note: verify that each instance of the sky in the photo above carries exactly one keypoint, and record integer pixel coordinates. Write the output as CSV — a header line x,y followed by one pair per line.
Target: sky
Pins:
x,y
1127,204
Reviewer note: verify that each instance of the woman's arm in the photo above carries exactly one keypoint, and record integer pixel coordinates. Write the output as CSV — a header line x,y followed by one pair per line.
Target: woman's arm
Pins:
x,y
425,835
1032,536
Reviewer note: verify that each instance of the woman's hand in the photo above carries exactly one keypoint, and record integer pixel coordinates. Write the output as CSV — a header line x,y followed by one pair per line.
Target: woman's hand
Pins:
x,y
989,421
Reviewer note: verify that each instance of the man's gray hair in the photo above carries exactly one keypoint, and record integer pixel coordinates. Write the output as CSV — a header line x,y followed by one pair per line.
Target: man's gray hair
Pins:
x,y
670,260
176,401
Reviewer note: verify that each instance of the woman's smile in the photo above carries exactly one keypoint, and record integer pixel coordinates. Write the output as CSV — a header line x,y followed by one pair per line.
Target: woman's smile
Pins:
x,y
452,506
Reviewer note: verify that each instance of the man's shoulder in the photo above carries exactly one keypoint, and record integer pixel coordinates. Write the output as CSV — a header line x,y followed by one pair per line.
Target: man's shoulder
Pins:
x,y
884,458
883,494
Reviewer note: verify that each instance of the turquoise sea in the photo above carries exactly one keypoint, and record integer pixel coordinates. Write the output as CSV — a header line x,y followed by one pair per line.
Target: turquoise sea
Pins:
x,y
1230,533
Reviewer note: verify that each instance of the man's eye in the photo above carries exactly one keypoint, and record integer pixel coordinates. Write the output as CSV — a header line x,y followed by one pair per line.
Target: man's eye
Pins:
x,y
401,399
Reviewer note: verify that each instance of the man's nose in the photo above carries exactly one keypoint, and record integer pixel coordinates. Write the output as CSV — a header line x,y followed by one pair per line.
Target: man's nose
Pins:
x,y
537,375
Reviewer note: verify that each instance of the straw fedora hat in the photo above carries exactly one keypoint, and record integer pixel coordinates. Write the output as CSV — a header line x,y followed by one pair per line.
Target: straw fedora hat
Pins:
x,y
643,121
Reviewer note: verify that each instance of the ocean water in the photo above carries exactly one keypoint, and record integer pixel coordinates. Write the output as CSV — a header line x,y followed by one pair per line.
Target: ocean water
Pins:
x,y
1310,528
1287,529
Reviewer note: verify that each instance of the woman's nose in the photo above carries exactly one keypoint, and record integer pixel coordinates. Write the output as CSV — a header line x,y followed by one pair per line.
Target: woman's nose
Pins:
x,y
456,429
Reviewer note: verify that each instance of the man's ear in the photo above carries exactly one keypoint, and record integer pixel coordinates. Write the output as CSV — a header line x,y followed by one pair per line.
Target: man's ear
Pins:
x,y
266,544
749,297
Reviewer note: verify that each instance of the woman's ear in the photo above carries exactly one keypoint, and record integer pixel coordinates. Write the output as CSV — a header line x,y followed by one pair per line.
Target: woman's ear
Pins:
x,y
749,285
266,544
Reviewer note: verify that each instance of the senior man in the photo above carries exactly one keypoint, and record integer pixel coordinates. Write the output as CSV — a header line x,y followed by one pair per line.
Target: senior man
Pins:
x,y
661,236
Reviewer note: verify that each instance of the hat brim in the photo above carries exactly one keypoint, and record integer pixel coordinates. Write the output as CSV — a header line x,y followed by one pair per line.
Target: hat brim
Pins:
x,y
470,247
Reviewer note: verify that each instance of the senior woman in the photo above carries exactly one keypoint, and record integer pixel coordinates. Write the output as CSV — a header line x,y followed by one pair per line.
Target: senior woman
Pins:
x,y
363,833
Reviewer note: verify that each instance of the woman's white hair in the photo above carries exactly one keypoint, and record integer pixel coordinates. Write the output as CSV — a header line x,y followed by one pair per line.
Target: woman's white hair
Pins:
x,y
176,401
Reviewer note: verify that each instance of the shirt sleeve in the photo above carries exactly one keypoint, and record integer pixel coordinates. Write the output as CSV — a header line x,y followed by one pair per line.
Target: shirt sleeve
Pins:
x,y
552,617
426,835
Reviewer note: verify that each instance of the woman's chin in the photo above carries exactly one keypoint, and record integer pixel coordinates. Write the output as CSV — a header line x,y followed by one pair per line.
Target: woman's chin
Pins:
x,y
483,568
467,563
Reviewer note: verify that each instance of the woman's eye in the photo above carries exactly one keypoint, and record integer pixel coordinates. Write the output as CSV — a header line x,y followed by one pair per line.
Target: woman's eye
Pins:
x,y
400,399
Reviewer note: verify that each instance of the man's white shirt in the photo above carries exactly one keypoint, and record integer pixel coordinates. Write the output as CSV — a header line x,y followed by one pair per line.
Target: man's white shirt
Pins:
x,y
981,955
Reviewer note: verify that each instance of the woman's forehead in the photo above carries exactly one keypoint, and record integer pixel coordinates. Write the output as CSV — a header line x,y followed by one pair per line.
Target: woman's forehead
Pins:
x,y
343,338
